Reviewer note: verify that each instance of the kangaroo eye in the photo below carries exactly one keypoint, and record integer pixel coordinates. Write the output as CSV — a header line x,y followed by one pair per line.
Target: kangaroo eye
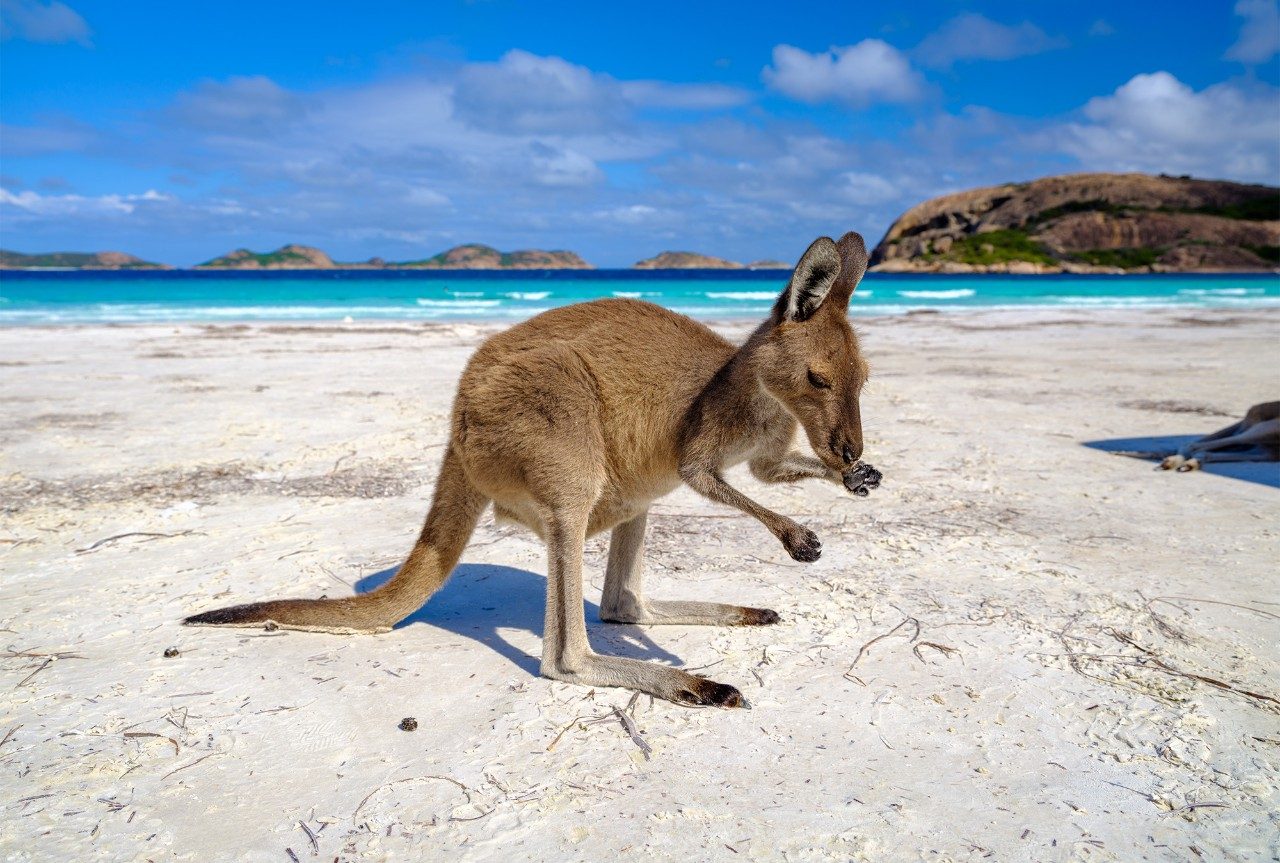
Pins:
x,y
818,380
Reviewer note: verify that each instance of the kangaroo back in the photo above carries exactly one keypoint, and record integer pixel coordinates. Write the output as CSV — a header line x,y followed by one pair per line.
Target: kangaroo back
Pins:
x,y
455,508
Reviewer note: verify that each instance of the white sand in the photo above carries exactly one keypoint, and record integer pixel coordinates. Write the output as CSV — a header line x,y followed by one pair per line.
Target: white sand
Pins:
x,y
295,461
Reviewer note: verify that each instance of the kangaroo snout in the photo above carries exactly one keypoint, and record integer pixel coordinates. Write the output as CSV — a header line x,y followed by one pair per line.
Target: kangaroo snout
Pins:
x,y
849,451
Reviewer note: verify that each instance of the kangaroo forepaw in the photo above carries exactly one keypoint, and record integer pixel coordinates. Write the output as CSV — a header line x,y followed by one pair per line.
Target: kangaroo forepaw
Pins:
x,y
708,693
862,478
802,544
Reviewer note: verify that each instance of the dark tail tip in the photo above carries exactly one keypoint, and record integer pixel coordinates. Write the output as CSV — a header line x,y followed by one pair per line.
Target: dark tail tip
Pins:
x,y
235,615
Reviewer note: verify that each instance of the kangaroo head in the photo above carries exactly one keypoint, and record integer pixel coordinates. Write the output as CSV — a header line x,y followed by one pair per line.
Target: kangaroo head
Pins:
x,y
808,358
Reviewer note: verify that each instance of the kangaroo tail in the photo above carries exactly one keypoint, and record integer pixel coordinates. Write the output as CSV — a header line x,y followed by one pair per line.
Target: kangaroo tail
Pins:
x,y
455,509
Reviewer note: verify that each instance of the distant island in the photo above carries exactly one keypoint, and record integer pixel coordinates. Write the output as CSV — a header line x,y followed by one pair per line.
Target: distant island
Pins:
x,y
1089,223
696,261
473,256
685,261
290,257
1076,223
76,261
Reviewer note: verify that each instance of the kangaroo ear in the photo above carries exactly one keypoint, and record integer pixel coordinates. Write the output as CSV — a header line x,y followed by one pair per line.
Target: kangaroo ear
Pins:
x,y
810,282
853,265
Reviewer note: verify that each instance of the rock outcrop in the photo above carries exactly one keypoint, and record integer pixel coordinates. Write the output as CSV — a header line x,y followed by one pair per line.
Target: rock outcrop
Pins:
x,y
1090,223
475,256
76,261
685,261
290,257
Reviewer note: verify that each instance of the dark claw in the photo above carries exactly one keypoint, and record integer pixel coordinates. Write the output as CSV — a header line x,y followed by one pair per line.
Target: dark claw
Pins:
x,y
803,545
708,693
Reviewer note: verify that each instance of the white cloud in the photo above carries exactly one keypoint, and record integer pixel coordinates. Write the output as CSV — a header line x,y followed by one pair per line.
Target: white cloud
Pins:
x,y
1259,35
865,188
870,71
556,167
690,97
241,104
424,197
976,37
634,214
1156,123
33,203
524,92
60,136
52,23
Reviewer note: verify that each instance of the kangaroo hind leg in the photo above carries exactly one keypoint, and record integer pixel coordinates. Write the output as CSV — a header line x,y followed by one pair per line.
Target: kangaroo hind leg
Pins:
x,y
624,600
566,654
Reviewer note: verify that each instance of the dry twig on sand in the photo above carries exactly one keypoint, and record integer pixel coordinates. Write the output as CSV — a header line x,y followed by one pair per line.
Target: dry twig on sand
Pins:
x,y
149,534
862,651
941,648
629,724
192,764
311,837
8,734
153,734
466,792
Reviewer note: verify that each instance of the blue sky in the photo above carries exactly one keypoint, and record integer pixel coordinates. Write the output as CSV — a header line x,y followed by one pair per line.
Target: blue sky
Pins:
x,y
180,131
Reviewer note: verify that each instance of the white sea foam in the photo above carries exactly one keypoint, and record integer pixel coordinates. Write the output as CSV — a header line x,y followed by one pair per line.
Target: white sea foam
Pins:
x,y
1222,292
741,295
527,295
459,303
635,295
952,294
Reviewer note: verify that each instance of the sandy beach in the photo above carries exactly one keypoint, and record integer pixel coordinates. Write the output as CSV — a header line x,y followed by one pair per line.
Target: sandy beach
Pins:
x,y
1022,647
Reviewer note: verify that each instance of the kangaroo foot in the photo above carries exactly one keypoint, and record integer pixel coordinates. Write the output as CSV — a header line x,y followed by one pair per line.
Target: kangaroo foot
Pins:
x,y
708,693
1171,462
1189,464
658,680
657,611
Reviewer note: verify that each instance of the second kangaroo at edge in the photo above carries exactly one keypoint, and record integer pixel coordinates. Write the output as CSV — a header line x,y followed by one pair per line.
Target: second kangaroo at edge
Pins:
x,y
575,421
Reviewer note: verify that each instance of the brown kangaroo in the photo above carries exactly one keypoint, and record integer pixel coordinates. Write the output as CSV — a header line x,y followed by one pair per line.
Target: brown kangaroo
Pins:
x,y
576,420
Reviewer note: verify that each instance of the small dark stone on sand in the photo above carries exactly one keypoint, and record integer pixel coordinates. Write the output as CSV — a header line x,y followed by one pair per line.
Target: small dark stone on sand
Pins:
x,y
408,724
271,626
170,652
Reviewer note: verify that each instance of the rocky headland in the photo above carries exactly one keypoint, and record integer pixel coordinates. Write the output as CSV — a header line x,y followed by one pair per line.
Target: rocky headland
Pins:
x,y
1090,223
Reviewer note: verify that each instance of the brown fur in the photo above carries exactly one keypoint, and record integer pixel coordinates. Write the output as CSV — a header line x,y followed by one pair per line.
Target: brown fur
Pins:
x,y
1254,438
573,422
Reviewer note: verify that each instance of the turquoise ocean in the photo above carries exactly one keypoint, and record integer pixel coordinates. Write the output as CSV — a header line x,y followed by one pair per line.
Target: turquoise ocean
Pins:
x,y
41,298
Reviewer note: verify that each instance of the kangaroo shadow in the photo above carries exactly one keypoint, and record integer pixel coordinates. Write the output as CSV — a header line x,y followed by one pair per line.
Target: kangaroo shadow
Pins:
x,y
1262,472
482,600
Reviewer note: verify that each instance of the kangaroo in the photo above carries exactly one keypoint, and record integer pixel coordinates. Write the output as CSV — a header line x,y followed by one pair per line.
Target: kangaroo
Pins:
x,y
575,421
1254,438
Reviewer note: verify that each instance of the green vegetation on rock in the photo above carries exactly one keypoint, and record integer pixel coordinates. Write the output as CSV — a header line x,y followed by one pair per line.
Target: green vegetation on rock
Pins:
x,y
998,247
1270,254
1096,205
1260,209
75,260
263,259
1127,259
